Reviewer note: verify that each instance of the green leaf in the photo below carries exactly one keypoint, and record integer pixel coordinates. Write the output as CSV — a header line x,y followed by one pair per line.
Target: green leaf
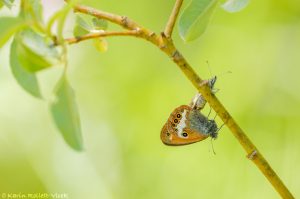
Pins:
x,y
78,31
61,19
37,9
26,80
83,23
35,52
9,26
65,114
32,10
99,24
1,4
7,3
82,27
235,5
195,18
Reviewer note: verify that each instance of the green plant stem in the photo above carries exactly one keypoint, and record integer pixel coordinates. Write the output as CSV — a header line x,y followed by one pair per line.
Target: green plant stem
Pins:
x,y
172,19
166,44
62,19
120,20
51,22
74,40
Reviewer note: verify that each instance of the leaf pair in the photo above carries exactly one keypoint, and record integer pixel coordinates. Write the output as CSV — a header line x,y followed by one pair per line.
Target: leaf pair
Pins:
x,y
25,61
84,26
36,52
94,25
63,109
197,14
30,53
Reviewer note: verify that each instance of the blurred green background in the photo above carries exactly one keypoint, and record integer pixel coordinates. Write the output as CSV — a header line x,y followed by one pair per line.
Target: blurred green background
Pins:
x,y
126,94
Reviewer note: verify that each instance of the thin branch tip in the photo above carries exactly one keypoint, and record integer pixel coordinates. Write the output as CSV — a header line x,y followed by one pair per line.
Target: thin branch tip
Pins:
x,y
172,19
74,40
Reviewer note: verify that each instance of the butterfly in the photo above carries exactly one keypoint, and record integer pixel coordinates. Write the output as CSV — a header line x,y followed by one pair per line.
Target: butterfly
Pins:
x,y
187,125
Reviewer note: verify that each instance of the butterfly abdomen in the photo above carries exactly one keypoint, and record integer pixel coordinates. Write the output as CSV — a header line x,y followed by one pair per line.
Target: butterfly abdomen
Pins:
x,y
202,124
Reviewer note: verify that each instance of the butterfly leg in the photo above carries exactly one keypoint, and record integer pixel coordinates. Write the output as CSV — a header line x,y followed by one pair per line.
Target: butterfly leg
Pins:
x,y
209,112
220,128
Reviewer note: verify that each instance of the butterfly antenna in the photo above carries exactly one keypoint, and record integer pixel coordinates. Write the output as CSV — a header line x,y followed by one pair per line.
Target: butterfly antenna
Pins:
x,y
209,68
225,73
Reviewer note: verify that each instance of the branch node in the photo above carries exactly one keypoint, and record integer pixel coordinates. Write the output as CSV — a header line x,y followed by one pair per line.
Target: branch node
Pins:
x,y
138,30
152,34
165,38
124,20
163,46
203,83
252,155
176,55
163,35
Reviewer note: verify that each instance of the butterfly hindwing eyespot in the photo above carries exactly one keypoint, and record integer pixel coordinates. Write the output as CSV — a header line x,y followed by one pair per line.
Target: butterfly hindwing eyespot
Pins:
x,y
184,134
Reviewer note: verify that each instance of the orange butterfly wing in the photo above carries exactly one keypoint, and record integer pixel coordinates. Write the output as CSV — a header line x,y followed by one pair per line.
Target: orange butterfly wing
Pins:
x,y
176,130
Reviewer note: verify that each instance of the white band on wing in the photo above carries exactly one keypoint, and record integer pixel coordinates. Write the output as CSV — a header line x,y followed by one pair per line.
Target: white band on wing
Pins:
x,y
182,124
